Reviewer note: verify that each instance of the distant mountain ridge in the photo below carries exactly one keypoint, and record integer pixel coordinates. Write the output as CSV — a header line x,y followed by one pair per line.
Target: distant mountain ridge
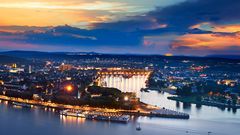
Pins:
x,y
9,59
77,55
38,54
225,56
17,52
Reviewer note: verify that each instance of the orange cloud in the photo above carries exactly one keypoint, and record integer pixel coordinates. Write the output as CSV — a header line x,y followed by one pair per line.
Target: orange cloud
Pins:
x,y
96,5
79,13
227,28
45,17
207,43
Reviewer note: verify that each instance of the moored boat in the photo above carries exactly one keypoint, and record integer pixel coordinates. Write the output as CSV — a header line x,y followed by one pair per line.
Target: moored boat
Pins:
x,y
97,116
138,128
22,104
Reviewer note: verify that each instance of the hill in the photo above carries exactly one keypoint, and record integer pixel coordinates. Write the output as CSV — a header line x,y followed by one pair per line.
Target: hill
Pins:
x,y
9,59
225,56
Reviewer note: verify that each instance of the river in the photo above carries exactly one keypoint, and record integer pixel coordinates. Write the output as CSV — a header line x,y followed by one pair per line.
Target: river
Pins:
x,y
203,119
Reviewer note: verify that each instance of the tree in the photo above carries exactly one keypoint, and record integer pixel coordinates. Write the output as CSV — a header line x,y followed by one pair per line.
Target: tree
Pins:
x,y
184,91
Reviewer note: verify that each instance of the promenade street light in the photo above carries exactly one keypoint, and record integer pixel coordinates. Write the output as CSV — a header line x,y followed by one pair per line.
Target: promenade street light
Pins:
x,y
1,82
69,88
126,98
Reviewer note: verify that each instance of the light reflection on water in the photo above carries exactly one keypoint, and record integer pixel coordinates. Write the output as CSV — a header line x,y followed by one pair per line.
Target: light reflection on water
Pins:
x,y
71,120
135,83
39,121
203,118
196,111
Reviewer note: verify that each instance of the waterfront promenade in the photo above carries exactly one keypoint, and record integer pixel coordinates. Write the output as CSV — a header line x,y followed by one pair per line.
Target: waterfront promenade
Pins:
x,y
147,110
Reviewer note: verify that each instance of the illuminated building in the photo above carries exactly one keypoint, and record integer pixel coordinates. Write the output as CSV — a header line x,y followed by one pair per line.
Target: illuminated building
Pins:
x,y
1,82
65,67
16,70
125,80
29,69
228,82
14,86
14,65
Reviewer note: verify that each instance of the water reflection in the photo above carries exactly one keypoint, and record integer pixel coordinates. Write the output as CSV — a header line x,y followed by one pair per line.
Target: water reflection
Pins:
x,y
187,106
160,99
203,119
178,104
234,110
198,106
71,120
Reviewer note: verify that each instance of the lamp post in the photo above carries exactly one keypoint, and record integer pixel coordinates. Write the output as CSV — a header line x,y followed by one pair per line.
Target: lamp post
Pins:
x,y
69,88
126,99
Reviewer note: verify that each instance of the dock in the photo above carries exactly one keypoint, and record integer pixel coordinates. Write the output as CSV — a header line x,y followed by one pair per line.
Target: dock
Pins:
x,y
166,113
149,111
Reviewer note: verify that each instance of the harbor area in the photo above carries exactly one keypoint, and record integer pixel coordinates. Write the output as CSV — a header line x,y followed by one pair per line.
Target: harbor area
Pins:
x,y
96,113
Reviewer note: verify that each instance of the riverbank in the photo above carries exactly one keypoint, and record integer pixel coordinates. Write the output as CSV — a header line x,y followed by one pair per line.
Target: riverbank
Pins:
x,y
207,103
202,120
143,110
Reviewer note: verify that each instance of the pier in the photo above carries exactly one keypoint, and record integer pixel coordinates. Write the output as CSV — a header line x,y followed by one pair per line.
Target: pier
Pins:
x,y
167,113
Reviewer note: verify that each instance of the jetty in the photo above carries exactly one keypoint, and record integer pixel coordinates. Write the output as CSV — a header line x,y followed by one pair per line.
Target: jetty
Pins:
x,y
167,113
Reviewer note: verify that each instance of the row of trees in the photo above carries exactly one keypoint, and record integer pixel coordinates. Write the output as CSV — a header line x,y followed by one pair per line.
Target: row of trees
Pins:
x,y
17,94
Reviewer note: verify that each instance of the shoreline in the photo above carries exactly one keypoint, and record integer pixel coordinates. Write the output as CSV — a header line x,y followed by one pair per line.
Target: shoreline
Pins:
x,y
213,104
185,100
151,113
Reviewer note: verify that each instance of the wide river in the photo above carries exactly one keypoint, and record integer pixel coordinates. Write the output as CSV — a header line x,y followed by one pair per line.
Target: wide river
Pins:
x,y
203,119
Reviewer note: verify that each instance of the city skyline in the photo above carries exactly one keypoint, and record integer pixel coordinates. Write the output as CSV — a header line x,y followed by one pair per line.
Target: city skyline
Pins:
x,y
179,27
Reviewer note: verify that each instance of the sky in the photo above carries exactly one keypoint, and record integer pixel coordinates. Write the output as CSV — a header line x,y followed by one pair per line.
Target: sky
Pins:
x,y
179,27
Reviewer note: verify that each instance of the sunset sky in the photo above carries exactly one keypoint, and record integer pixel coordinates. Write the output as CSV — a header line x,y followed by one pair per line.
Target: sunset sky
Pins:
x,y
180,27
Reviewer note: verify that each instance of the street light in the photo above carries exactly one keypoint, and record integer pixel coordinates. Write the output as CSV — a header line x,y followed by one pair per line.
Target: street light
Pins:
x,y
69,88
126,98
1,82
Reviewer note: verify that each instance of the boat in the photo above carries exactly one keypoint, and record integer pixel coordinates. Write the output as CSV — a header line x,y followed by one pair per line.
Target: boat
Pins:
x,y
22,104
113,117
72,113
138,128
122,118
209,133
